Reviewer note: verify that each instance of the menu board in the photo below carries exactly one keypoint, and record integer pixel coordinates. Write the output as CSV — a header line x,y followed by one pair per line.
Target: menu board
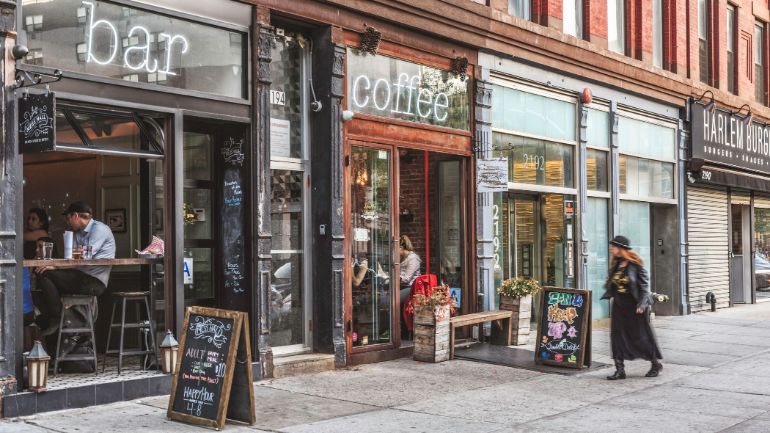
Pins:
x,y
214,354
564,328
233,212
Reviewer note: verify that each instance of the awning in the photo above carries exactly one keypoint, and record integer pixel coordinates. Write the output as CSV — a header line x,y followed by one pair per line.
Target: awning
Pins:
x,y
717,176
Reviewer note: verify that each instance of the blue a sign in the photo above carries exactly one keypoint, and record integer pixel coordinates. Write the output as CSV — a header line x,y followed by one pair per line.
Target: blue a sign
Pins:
x,y
187,270
457,294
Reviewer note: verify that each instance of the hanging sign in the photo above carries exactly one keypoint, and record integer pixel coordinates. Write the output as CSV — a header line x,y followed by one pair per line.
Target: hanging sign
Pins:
x,y
213,379
563,331
726,138
492,175
37,121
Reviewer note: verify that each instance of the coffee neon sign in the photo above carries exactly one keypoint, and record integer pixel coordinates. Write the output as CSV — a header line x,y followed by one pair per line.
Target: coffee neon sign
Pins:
x,y
402,97
146,64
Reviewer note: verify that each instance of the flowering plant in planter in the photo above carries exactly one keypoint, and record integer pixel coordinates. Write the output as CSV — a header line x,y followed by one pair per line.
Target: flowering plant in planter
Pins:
x,y
519,287
438,298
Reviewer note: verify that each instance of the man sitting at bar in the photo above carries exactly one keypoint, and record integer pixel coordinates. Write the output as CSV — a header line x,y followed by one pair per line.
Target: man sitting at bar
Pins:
x,y
81,280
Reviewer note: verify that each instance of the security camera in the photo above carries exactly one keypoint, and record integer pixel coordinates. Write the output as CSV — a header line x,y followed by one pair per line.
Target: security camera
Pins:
x,y
347,115
690,177
19,51
316,106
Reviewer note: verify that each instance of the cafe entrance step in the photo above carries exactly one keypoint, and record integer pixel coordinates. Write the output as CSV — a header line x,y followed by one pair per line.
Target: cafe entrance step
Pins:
x,y
302,364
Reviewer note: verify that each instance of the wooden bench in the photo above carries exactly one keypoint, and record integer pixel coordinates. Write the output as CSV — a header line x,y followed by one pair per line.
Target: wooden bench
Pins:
x,y
501,327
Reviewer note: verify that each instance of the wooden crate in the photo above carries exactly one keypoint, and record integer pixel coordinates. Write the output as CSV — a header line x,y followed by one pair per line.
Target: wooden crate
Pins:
x,y
522,315
431,337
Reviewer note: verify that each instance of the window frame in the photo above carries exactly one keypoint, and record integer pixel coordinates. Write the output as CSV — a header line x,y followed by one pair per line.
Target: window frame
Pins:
x,y
619,5
578,19
759,61
731,27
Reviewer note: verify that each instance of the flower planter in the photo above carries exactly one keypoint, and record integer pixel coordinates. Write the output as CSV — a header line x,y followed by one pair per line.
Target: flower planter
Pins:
x,y
522,313
431,334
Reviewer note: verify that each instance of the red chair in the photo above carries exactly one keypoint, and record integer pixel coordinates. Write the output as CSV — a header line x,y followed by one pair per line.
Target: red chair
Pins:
x,y
423,285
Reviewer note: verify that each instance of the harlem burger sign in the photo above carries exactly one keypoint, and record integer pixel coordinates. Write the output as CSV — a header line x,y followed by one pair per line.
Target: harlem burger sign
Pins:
x,y
725,138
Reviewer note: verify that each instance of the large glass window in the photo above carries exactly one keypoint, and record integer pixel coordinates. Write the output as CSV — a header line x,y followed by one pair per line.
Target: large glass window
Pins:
x,y
657,33
598,129
597,174
731,62
635,225
646,139
704,48
530,113
536,162
616,26
573,17
646,178
397,89
762,252
759,63
598,255
520,8
117,41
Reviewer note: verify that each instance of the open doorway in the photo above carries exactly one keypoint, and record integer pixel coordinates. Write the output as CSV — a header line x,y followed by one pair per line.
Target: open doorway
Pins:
x,y
407,220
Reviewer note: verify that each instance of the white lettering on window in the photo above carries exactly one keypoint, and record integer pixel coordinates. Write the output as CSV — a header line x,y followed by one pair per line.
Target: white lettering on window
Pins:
x,y
389,96
146,64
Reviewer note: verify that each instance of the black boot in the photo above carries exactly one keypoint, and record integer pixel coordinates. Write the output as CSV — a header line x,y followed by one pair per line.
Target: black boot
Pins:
x,y
655,370
620,371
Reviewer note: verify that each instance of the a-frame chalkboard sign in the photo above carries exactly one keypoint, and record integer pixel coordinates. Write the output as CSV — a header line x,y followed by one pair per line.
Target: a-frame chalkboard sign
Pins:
x,y
564,328
213,381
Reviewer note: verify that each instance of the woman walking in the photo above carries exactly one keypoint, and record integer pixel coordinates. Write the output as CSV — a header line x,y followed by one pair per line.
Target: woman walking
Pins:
x,y
631,335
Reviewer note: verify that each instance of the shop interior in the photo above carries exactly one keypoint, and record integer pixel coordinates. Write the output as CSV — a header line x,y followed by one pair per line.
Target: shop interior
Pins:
x,y
430,218
112,160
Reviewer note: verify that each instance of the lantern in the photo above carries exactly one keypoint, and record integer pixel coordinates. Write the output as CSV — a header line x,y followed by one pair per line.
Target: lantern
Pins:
x,y
169,350
37,368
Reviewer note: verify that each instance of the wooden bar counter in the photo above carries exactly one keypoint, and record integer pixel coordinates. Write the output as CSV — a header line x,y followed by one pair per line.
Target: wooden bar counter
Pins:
x,y
71,263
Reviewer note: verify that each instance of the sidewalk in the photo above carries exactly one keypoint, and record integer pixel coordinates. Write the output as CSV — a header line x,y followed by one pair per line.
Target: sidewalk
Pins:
x,y
716,378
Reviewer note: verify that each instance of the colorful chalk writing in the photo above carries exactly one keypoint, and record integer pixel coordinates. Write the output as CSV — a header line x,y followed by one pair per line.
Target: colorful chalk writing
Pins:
x,y
561,327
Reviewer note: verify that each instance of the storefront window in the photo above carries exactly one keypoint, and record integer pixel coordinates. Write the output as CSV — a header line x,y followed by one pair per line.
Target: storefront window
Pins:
x,y
536,162
529,113
635,225
598,128
598,253
596,170
116,41
287,96
762,254
397,89
646,178
646,139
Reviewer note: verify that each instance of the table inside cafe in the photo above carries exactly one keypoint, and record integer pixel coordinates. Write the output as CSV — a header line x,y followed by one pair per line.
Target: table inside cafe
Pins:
x,y
81,379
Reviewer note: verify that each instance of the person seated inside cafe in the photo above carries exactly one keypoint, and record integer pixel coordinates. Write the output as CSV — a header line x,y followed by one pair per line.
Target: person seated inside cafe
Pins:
x,y
89,234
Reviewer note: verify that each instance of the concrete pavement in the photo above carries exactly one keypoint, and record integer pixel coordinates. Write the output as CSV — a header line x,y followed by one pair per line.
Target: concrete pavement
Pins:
x,y
716,378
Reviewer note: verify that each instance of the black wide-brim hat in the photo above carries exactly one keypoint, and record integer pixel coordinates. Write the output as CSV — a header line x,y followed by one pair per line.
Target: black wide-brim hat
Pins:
x,y
621,242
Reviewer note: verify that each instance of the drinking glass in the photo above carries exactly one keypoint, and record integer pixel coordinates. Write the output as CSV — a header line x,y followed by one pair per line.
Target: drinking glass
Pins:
x,y
47,250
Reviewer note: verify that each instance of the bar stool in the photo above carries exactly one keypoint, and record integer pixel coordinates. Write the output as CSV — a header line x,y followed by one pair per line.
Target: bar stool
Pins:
x,y
87,303
147,326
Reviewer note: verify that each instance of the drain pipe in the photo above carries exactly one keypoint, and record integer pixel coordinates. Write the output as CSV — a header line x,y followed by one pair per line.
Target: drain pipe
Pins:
x,y
712,299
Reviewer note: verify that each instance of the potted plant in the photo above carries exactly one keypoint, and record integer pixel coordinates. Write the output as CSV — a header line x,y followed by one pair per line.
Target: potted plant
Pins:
x,y
431,324
516,296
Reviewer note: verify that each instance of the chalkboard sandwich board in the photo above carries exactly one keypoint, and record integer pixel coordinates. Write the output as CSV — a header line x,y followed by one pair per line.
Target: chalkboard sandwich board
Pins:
x,y
564,328
213,380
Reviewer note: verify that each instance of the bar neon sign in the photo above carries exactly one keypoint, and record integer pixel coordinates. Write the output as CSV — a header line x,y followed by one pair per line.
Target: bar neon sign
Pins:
x,y
146,64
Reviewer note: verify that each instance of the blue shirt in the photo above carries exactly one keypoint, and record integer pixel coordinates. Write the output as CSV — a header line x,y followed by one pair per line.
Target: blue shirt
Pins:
x,y
102,242
26,291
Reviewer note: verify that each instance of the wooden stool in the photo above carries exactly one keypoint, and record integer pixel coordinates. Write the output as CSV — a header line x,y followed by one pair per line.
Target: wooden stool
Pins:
x,y
123,298
67,302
